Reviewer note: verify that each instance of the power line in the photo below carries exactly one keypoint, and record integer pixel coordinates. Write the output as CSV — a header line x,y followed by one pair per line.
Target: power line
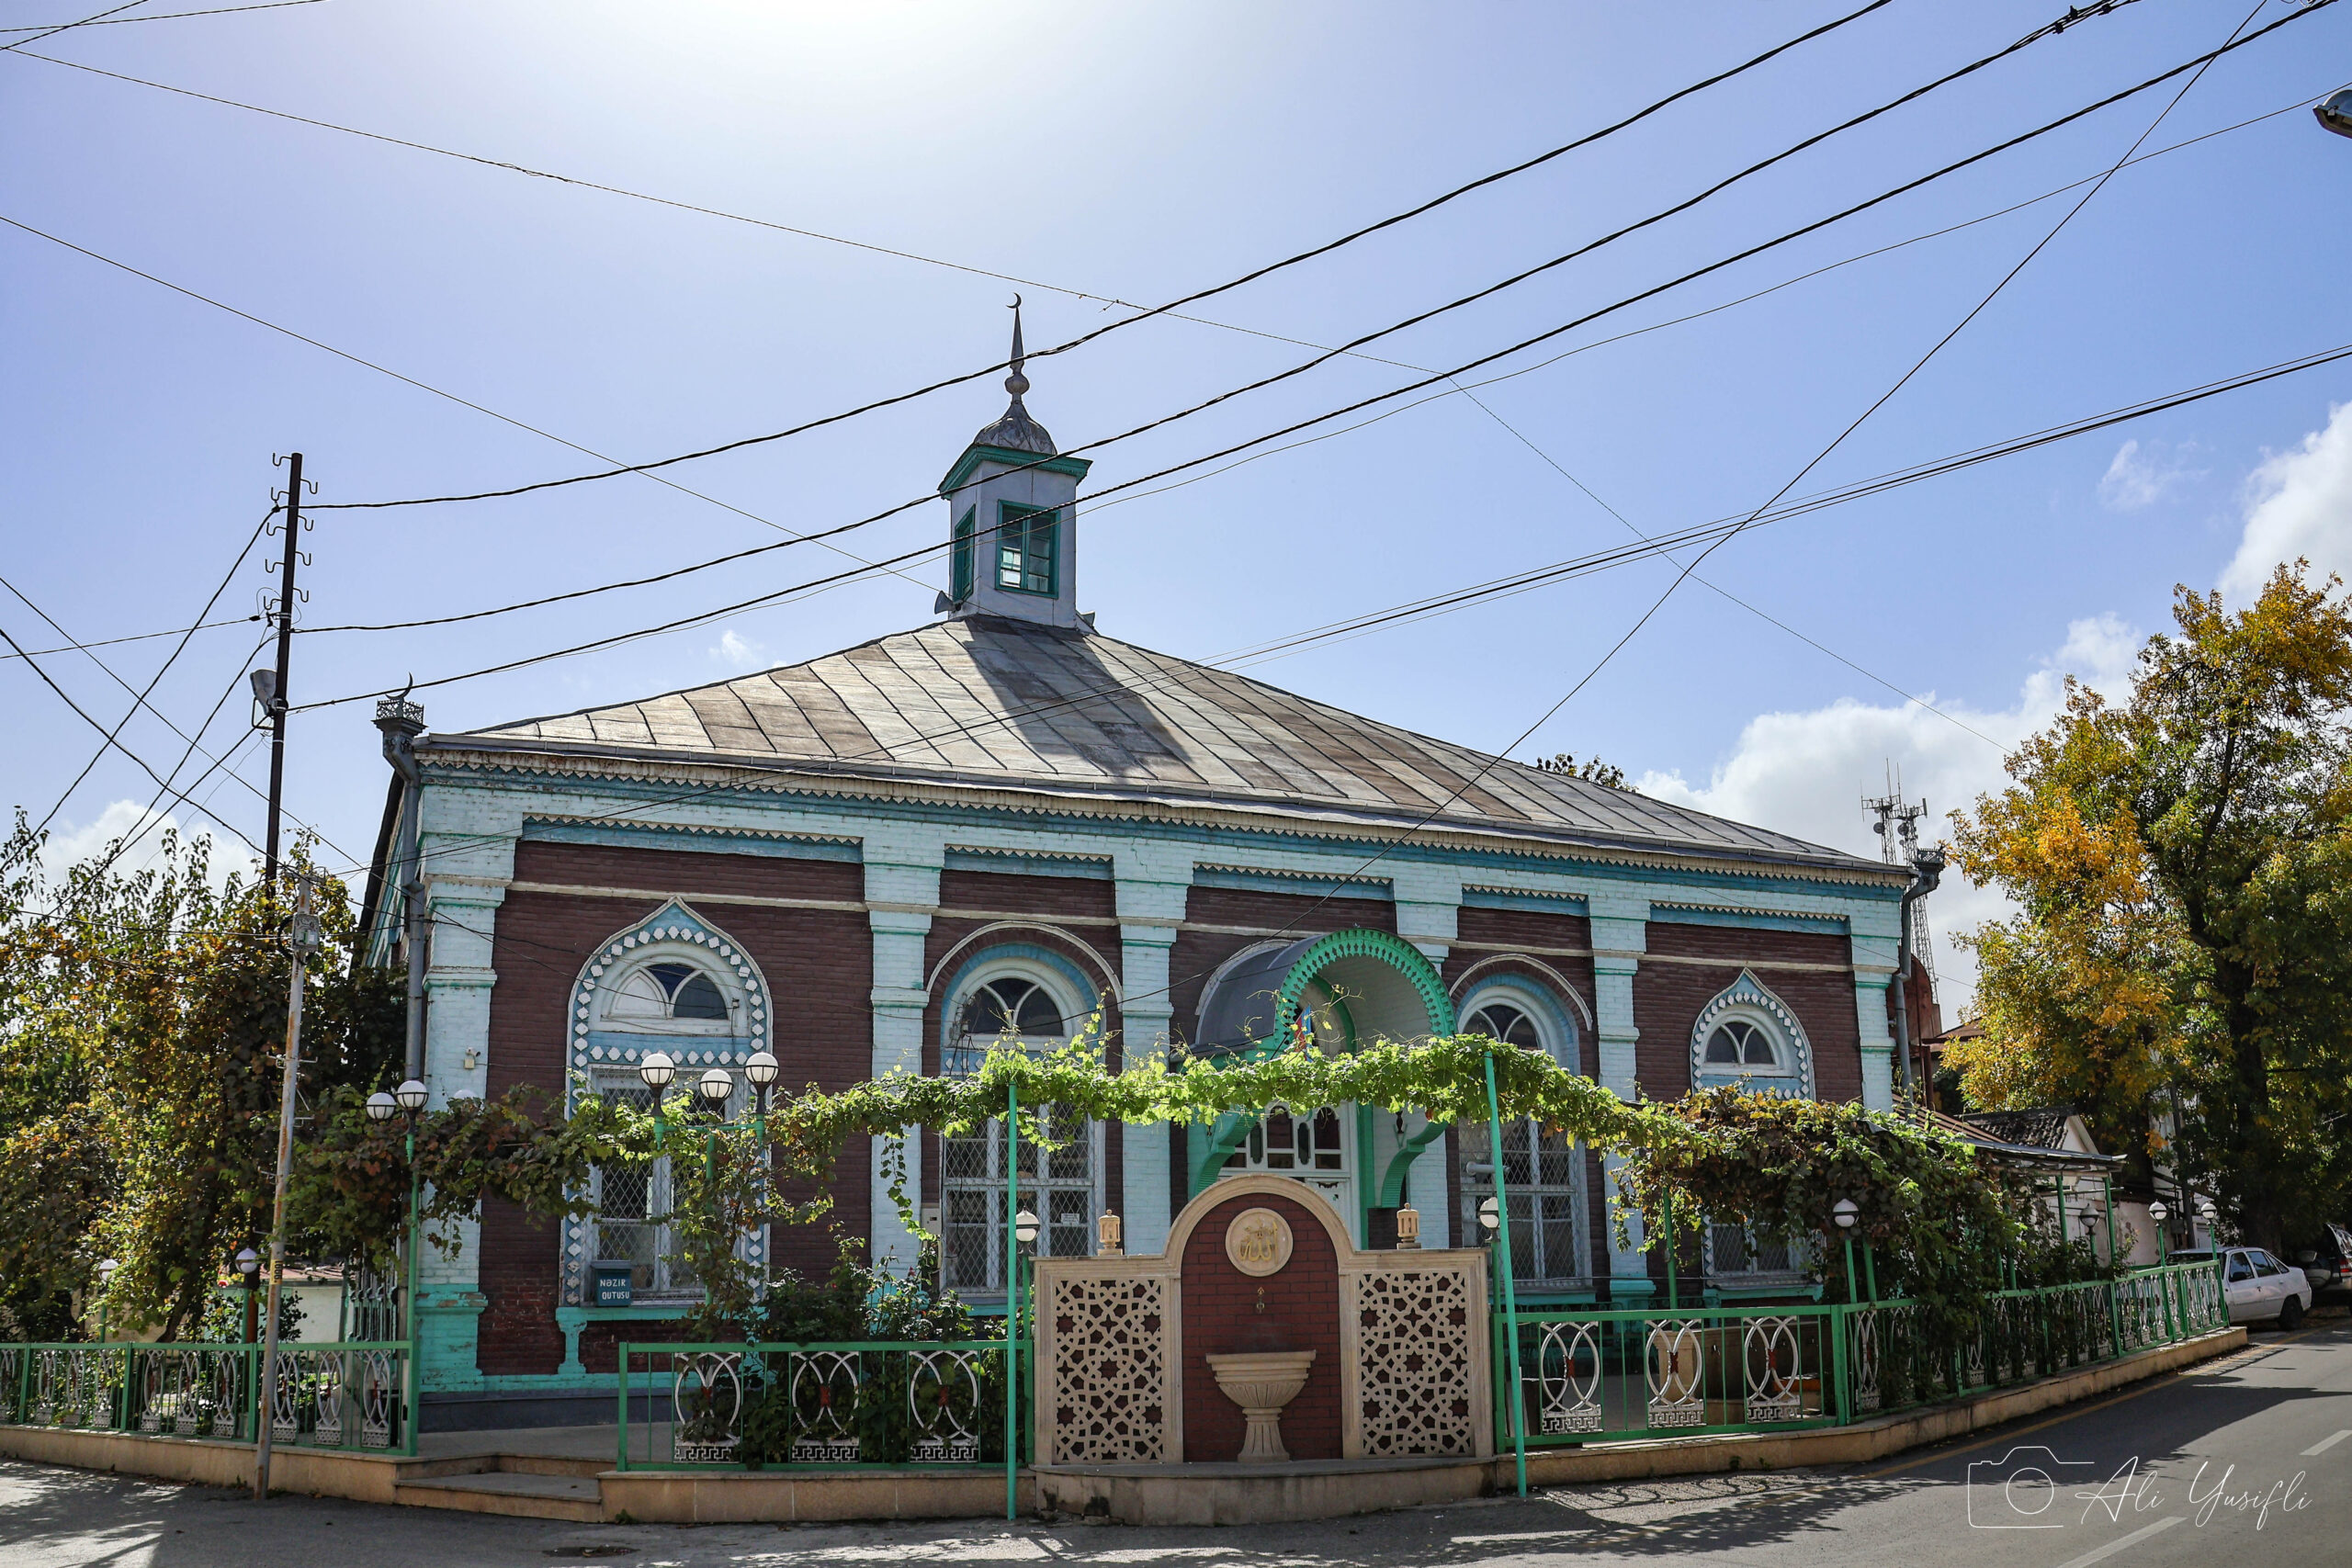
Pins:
x,y
101,20
682,622
1455,389
111,742
1577,566
420,386
1688,536
1433,379
1837,441
1510,282
68,26
1144,313
138,699
135,636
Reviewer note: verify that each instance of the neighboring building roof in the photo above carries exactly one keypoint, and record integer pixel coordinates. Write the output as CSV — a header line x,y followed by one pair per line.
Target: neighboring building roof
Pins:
x,y
1967,1029
2040,1129
986,702
2052,1136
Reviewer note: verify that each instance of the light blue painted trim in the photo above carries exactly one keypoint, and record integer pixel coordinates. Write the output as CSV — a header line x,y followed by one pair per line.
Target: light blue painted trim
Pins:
x,y
1540,903
998,953
1810,925
1278,882
1567,861
1517,986
975,454
712,842
1013,862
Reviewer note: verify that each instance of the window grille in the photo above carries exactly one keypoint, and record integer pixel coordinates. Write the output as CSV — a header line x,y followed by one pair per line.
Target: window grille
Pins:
x,y
1059,1186
1542,1173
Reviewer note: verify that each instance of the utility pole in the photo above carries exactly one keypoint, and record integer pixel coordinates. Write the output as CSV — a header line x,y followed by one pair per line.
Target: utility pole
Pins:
x,y
302,940
275,697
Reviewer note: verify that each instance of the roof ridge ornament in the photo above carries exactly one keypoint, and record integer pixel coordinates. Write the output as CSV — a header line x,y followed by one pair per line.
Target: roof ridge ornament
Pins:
x,y
1017,383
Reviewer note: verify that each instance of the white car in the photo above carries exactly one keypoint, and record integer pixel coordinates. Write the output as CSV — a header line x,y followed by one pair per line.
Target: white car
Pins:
x,y
2258,1287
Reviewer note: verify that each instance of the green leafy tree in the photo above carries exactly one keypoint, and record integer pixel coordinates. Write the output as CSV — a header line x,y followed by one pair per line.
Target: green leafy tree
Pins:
x,y
2182,864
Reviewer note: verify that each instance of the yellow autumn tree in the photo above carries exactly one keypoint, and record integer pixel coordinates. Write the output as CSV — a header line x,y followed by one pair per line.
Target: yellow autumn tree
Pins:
x,y
2181,860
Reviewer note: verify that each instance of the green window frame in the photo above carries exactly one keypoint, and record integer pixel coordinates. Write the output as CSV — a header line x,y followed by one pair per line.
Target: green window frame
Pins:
x,y
1028,550
960,570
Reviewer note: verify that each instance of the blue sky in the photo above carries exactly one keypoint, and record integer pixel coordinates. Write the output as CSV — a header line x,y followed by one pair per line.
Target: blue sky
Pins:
x,y
1137,152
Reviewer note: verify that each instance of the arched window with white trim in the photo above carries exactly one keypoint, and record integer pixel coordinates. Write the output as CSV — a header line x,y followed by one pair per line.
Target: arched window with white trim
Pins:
x,y
1033,1000
672,983
1544,1169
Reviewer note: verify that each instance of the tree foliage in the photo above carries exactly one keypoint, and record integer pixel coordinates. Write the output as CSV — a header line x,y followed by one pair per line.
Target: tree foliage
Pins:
x,y
2181,860
142,1022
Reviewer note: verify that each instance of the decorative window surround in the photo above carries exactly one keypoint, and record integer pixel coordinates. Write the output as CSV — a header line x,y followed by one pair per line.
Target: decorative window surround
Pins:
x,y
1746,1001
599,1051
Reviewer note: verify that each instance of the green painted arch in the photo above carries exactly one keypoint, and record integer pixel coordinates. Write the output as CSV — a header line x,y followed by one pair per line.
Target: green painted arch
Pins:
x,y
1213,1143
1393,950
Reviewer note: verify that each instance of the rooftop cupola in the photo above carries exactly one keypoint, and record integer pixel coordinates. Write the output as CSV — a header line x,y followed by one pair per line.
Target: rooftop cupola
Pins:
x,y
1012,517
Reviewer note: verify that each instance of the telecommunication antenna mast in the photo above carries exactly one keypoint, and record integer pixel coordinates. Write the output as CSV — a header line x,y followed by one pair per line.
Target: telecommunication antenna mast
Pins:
x,y
1897,823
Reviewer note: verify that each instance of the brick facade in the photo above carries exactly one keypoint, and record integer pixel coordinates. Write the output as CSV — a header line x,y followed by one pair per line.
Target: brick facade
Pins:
x,y
1668,998
1222,1317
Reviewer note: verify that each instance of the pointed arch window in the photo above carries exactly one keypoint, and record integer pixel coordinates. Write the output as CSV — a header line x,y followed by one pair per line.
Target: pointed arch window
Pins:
x,y
672,983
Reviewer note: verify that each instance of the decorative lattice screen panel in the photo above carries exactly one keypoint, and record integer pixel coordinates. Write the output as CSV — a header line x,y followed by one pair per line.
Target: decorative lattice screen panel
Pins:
x,y
1415,1373
1112,1394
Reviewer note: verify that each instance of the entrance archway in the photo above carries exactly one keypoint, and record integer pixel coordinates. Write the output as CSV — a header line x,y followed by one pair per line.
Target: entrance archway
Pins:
x,y
1346,989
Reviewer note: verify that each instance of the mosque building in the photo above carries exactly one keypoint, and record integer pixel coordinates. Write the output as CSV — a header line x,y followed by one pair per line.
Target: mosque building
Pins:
x,y
1009,821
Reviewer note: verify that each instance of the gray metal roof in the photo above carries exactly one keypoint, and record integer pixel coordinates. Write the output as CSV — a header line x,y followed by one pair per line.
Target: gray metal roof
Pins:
x,y
989,702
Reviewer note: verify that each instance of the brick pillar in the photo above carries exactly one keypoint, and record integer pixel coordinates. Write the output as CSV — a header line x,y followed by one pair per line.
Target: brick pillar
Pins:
x,y
1620,936
902,889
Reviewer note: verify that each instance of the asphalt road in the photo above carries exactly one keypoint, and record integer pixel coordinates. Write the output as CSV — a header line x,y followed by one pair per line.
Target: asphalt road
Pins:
x,y
2242,1463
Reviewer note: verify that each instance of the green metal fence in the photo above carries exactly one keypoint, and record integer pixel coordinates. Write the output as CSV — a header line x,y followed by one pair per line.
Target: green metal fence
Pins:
x,y
817,1405
1590,1375
344,1394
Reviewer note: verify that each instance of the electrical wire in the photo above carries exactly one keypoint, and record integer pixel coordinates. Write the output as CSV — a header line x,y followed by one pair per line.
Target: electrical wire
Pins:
x,y
426,387
68,26
1510,282
138,699
1526,580
1102,500
1144,313
1823,455
1688,536
114,744
101,20
135,636
681,622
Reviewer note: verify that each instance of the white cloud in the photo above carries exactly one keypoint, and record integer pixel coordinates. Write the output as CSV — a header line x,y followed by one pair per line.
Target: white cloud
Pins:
x,y
737,652
1806,774
2299,505
70,846
2141,476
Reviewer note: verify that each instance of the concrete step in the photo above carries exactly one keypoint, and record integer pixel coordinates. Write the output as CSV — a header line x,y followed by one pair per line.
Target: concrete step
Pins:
x,y
572,1498
554,1464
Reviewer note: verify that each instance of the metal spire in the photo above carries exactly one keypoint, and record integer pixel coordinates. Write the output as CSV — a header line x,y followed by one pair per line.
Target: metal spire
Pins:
x,y
1016,383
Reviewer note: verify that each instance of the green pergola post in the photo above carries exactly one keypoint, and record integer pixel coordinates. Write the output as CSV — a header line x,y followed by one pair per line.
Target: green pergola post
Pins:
x,y
1510,1292
1011,1302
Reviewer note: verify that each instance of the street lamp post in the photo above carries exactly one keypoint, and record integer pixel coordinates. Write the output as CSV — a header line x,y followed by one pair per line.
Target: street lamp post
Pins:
x,y
249,1265
716,1088
2158,1215
655,1072
1846,1211
763,1069
407,1101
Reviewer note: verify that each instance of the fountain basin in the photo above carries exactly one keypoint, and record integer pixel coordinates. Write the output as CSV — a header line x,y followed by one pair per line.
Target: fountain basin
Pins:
x,y
1261,1382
